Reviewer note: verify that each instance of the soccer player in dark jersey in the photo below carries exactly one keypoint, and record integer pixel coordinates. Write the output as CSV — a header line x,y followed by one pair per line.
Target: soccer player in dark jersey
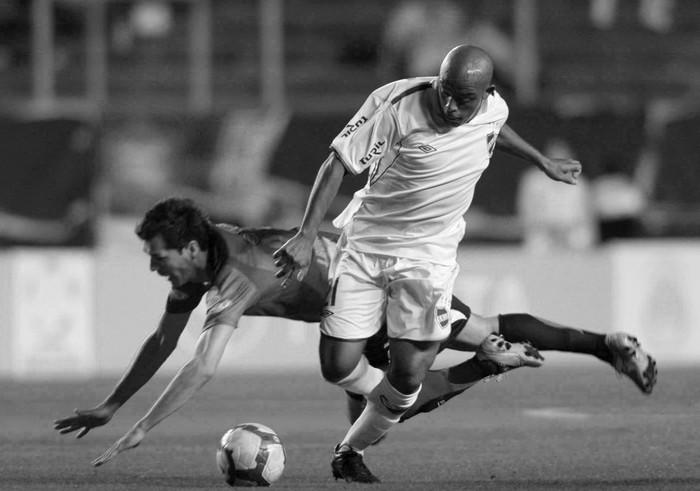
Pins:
x,y
234,269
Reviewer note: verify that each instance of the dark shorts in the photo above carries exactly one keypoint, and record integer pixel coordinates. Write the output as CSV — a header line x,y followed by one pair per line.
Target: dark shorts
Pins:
x,y
377,347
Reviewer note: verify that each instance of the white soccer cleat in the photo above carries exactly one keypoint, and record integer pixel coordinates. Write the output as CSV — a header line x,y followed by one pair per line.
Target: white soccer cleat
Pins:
x,y
508,355
629,359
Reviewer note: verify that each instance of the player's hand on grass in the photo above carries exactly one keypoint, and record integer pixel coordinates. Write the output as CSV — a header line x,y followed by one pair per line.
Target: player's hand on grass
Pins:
x,y
131,439
294,257
563,170
84,420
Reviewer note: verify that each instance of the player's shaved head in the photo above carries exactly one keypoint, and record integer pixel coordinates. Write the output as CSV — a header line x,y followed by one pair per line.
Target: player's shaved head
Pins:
x,y
467,65
462,86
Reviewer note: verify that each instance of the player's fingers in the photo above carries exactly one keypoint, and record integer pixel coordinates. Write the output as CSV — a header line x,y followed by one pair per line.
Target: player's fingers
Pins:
x,y
70,420
287,277
284,271
284,261
82,432
105,457
570,178
70,429
60,423
280,253
99,461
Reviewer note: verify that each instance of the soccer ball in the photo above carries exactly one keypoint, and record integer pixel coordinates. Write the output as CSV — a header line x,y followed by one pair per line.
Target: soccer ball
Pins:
x,y
251,454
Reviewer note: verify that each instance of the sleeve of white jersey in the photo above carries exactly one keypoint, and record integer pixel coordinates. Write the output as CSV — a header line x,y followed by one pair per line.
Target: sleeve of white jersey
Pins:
x,y
365,140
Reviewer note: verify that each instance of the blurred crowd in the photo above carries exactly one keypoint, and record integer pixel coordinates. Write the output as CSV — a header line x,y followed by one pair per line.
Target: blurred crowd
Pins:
x,y
223,161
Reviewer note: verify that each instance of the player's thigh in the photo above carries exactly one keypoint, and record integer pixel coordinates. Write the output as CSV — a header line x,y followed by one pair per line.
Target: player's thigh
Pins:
x,y
477,329
355,304
418,300
339,357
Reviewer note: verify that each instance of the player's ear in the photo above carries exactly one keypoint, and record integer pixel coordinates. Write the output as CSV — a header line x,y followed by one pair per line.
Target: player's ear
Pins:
x,y
193,248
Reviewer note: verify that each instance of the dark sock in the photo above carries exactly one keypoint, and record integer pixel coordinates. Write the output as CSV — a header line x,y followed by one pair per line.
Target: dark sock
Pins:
x,y
439,386
470,371
544,335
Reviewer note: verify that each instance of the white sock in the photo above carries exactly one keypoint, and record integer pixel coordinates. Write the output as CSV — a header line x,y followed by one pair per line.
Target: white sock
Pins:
x,y
362,379
377,418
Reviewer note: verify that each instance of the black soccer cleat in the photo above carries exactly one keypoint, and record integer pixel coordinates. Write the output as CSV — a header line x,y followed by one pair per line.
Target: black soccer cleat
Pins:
x,y
348,464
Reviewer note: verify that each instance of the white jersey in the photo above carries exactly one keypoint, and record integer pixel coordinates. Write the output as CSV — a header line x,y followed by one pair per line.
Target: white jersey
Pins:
x,y
421,180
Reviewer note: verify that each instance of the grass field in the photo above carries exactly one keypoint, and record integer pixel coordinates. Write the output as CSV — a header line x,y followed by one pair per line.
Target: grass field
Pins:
x,y
554,428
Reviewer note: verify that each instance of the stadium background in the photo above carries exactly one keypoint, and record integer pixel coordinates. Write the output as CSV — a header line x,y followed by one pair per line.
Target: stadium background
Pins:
x,y
109,105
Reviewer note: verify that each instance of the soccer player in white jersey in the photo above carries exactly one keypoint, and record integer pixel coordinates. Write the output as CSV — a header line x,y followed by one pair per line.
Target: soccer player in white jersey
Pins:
x,y
424,142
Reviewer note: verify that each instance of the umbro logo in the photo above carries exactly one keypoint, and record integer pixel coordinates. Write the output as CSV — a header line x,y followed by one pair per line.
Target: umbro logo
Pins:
x,y
426,148
216,304
326,313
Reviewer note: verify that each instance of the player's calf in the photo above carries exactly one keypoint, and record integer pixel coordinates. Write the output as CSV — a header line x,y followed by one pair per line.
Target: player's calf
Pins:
x,y
355,405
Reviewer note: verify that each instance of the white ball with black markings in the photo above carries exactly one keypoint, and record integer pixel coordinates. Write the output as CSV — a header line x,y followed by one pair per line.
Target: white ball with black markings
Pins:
x,y
251,454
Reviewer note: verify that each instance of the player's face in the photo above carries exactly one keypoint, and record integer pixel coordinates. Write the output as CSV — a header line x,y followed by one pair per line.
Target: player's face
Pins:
x,y
176,265
459,103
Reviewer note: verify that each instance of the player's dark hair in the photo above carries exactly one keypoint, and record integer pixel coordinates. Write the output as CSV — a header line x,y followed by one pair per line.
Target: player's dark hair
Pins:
x,y
178,221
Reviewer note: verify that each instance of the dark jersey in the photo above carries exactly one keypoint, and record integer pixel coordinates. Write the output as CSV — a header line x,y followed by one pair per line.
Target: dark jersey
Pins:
x,y
245,282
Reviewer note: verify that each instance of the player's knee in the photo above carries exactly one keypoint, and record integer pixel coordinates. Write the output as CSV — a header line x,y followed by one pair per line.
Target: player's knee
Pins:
x,y
339,358
404,381
335,370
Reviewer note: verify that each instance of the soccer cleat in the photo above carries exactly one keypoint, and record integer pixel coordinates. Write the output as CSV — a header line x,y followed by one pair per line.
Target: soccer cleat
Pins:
x,y
629,359
508,355
348,464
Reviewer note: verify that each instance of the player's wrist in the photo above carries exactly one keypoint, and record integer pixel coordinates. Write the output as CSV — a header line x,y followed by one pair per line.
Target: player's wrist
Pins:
x,y
111,406
543,163
142,426
308,233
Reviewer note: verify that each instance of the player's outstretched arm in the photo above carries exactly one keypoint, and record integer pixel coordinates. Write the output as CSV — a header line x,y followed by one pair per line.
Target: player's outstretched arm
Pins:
x,y
155,349
563,170
294,256
189,379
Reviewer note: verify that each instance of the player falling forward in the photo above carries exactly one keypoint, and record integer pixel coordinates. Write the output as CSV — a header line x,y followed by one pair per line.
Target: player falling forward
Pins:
x,y
235,270
234,267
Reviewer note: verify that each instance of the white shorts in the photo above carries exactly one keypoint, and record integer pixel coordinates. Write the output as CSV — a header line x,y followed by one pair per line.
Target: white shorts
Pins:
x,y
412,296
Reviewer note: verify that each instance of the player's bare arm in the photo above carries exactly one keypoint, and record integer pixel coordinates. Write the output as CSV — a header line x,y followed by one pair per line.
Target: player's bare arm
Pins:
x,y
295,255
563,170
156,348
190,378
